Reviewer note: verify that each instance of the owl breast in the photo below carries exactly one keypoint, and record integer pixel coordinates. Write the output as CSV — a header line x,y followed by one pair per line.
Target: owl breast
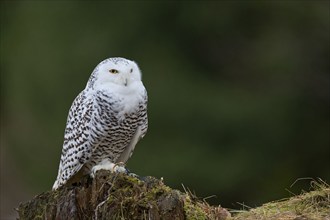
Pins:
x,y
115,122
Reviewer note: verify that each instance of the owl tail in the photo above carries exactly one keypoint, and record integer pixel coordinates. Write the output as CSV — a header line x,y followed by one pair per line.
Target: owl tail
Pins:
x,y
57,182
56,185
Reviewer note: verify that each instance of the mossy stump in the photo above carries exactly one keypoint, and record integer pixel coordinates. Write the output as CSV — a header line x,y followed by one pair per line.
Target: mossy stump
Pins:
x,y
118,196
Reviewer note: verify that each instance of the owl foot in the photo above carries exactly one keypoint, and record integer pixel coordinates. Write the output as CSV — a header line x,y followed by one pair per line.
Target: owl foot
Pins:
x,y
107,165
134,175
129,173
119,168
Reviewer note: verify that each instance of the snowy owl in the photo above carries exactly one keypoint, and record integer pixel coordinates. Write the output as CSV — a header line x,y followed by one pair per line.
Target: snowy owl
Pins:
x,y
105,121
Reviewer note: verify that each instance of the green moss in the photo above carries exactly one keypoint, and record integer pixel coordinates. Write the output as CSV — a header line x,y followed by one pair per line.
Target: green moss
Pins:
x,y
130,197
43,201
193,211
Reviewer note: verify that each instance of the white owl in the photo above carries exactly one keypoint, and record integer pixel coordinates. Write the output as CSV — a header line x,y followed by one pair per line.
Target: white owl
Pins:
x,y
105,121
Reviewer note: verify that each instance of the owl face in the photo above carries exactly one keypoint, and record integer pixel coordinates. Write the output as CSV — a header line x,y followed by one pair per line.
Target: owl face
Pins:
x,y
117,71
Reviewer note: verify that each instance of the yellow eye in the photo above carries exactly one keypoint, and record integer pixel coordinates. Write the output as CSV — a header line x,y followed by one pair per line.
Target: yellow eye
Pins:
x,y
113,71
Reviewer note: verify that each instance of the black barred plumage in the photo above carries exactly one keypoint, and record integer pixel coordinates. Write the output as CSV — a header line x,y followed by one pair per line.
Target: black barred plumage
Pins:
x,y
105,121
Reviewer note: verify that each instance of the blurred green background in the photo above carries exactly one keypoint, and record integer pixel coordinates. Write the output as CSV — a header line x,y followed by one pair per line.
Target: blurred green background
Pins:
x,y
238,91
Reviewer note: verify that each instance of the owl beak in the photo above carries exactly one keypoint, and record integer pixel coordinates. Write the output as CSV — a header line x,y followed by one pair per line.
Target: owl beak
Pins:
x,y
126,82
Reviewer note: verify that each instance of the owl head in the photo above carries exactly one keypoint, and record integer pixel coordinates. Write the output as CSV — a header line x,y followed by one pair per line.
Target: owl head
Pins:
x,y
115,71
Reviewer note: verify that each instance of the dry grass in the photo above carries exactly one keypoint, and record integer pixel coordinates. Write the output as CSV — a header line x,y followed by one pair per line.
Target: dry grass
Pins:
x,y
313,205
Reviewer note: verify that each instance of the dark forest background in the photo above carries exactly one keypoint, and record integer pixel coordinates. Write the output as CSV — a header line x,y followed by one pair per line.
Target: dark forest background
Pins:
x,y
238,91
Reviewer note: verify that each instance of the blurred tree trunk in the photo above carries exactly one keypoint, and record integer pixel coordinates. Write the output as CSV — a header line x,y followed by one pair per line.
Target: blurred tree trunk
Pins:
x,y
118,196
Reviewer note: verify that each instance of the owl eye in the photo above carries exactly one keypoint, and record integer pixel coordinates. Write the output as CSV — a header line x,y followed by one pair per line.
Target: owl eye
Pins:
x,y
113,71
131,70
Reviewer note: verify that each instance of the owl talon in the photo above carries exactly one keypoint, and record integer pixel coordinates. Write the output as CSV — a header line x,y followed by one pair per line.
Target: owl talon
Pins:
x,y
119,169
133,175
129,173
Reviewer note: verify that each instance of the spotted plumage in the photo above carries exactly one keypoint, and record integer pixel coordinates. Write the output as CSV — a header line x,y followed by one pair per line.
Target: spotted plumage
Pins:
x,y
105,121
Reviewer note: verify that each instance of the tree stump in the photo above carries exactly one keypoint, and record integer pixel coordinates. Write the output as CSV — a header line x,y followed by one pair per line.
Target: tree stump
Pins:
x,y
118,196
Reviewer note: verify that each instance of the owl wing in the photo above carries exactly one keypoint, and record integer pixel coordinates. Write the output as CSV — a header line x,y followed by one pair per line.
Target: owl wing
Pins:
x,y
143,115
77,146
